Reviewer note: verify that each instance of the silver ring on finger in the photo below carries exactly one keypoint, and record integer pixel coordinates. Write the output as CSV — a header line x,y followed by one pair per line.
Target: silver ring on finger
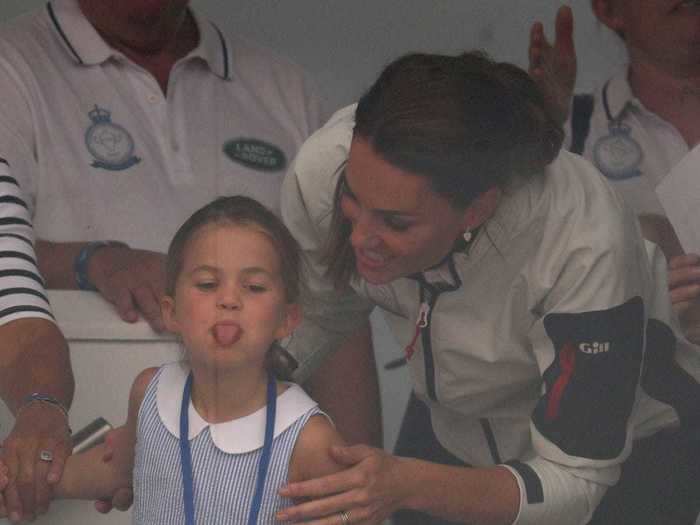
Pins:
x,y
46,455
344,517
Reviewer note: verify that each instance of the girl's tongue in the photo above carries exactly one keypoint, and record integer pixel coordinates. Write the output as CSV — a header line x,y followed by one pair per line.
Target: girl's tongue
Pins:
x,y
226,334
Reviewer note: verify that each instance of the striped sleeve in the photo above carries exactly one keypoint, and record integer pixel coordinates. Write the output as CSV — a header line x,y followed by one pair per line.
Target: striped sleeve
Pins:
x,y
22,292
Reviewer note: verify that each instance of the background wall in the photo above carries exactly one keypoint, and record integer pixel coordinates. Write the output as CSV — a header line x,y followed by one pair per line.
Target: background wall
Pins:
x,y
345,43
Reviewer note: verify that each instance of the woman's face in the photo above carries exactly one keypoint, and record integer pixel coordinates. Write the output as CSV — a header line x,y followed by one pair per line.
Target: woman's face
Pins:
x,y
400,226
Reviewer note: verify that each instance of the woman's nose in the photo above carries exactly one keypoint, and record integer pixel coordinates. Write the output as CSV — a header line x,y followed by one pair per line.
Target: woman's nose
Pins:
x,y
363,234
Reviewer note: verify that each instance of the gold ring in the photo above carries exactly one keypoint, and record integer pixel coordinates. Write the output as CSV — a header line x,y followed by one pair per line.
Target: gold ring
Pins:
x,y
344,517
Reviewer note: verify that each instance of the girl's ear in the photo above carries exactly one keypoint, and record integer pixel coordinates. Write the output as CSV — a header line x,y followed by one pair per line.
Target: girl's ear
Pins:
x,y
291,321
167,310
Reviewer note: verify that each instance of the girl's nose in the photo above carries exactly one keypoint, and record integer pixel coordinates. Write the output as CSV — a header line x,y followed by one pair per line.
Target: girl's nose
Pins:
x,y
229,299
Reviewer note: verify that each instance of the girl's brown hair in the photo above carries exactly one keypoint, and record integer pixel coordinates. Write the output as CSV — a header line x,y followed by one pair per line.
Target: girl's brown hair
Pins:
x,y
242,210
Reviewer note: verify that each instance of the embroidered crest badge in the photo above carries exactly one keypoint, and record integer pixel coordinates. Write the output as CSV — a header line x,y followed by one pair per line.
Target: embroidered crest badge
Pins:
x,y
255,154
110,144
617,155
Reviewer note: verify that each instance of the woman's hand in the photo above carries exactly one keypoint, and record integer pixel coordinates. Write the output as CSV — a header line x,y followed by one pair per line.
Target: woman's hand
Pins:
x,y
553,67
368,492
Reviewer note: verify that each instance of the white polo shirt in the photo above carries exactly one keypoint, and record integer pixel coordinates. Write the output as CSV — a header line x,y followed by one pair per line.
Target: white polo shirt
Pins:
x,y
22,291
637,156
101,152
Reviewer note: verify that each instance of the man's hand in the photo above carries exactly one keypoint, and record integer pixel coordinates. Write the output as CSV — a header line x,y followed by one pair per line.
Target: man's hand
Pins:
x,y
553,67
132,280
38,427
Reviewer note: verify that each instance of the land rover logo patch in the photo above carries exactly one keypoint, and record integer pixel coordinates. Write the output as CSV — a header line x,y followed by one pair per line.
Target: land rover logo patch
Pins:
x,y
255,154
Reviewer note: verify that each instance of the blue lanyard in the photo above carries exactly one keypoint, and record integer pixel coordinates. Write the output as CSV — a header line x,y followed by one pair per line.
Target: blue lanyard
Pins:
x,y
186,456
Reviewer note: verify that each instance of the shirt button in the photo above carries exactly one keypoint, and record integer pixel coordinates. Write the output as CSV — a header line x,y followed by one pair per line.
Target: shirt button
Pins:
x,y
152,99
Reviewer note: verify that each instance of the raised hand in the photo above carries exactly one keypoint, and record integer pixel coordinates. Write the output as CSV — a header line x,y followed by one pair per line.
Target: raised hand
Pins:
x,y
553,67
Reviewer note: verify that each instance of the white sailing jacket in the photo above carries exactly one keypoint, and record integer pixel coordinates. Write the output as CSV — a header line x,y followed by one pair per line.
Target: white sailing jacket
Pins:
x,y
527,345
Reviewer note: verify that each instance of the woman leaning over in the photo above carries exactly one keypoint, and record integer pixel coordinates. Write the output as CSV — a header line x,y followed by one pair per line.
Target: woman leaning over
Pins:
x,y
508,270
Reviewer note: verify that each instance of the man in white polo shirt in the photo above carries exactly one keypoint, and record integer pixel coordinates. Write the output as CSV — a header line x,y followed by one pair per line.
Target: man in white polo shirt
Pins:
x,y
121,117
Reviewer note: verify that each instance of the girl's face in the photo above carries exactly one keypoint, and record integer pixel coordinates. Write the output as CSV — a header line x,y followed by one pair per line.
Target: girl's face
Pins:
x,y
229,303
400,226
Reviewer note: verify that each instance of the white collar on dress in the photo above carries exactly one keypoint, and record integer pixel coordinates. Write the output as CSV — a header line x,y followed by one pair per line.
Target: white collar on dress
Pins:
x,y
234,437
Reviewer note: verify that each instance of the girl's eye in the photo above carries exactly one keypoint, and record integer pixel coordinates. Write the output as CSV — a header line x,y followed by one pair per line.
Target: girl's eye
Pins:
x,y
206,285
256,288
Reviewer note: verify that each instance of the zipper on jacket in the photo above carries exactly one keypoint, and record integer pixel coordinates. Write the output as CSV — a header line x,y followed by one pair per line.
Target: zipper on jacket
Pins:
x,y
429,294
432,297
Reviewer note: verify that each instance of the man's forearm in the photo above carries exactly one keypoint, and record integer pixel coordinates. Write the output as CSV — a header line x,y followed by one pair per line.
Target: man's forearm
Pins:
x,y
56,262
34,358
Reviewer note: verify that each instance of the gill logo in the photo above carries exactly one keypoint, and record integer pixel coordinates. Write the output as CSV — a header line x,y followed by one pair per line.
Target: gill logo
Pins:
x,y
594,348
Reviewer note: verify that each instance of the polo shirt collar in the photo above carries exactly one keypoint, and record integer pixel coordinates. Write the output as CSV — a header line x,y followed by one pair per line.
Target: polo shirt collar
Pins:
x,y
619,93
85,45
82,41
213,48
233,437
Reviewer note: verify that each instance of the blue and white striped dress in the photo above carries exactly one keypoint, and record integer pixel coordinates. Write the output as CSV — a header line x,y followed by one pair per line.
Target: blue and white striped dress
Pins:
x,y
225,456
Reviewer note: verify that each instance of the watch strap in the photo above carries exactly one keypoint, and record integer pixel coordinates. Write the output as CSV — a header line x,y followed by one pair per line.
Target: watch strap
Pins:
x,y
80,265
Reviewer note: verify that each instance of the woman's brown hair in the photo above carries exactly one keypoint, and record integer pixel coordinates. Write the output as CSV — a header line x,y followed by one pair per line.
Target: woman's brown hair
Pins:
x,y
465,122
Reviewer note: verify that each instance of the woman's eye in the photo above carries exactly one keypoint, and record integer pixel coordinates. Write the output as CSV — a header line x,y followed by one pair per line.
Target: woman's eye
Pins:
x,y
397,224
348,206
256,288
206,285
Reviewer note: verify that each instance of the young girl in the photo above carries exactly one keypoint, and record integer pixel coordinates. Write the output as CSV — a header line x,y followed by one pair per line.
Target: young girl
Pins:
x,y
232,285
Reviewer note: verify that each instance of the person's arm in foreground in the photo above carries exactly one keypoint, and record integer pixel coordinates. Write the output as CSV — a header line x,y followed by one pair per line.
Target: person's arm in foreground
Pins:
x,y
87,475
34,359
34,362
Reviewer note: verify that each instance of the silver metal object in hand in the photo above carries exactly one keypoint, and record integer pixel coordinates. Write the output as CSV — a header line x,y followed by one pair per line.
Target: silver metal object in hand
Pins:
x,y
46,455
344,517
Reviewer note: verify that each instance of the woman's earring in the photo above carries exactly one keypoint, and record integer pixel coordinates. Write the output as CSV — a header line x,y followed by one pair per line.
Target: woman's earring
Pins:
x,y
467,235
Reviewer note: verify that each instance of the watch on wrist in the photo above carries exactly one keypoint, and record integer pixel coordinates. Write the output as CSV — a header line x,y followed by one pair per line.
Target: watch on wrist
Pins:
x,y
80,265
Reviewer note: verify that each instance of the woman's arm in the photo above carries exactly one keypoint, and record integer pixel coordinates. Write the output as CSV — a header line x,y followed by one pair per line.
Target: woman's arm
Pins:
x,y
376,484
